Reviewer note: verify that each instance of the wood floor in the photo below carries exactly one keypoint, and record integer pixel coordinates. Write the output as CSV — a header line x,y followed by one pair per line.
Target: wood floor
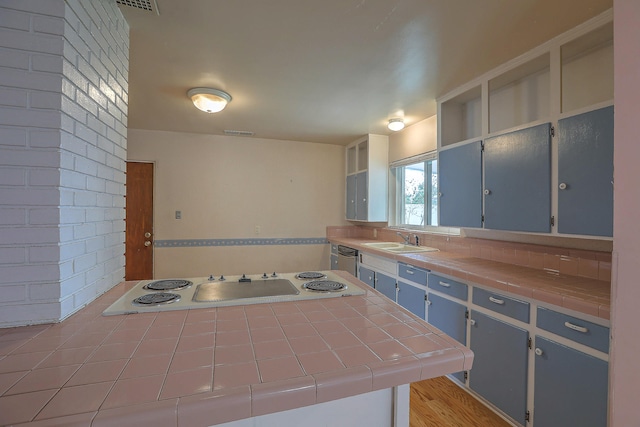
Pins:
x,y
438,402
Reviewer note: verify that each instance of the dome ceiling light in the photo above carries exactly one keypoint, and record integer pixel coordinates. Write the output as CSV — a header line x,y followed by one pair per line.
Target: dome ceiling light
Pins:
x,y
396,124
209,100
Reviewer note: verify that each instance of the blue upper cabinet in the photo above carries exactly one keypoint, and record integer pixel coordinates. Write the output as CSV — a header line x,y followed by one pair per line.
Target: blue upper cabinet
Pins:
x,y
517,170
461,186
351,197
367,169
362,201
585,173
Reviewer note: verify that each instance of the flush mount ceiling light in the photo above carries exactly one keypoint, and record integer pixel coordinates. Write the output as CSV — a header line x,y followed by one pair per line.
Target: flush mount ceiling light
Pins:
x,y
396,124
209,100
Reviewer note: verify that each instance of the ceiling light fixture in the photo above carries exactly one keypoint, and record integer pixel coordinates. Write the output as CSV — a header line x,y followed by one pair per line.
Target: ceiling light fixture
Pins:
x,y
209,100
396,124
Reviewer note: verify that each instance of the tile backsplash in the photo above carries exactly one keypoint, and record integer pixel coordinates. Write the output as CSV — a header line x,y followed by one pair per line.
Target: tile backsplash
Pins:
x,y
573,262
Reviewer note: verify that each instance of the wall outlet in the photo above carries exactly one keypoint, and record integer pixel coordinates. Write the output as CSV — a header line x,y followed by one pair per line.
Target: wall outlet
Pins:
x,y
375,233
178,214
257,229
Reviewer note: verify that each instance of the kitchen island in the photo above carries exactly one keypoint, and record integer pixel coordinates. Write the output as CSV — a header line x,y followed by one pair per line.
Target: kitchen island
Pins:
x,y
349,357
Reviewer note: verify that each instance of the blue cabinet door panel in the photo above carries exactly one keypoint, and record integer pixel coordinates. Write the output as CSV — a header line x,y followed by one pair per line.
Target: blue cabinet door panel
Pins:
x,y
450,318
367,276
351,197
517,171
362,203
412,298
585,167
499,372
460,186
570,387
386,285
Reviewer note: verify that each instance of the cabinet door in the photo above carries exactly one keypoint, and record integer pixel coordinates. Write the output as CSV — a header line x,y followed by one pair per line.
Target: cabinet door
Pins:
x,y
450,318
585,173
351,197
412,298
499,372
517,171
362,203
386,285
460,186
334,262
367,276
570,387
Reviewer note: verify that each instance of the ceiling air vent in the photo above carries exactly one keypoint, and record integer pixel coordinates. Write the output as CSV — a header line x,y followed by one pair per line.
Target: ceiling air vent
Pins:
x,y
149,5
238,133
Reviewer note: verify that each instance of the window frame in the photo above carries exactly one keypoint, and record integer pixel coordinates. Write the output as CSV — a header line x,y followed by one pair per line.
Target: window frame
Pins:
x,y
396,195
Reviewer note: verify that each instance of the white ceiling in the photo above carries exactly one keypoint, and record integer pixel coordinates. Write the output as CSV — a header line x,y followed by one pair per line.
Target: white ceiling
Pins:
x,y
325,71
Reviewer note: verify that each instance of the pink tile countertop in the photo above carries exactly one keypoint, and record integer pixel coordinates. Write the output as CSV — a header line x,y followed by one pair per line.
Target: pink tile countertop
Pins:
x,y
208,366
584,295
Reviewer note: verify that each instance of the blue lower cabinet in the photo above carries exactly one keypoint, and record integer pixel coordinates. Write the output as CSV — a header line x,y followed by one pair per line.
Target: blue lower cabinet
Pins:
x,y
368,276
570,387
499,372
386,285
450,318
412,298
334,262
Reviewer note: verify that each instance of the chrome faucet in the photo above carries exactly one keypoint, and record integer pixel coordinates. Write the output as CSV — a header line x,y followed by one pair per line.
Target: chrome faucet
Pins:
x,y
406,238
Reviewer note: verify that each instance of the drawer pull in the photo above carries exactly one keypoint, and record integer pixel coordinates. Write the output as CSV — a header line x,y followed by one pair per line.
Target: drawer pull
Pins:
x,y
496,300
445,284
409,271
576,327
539,351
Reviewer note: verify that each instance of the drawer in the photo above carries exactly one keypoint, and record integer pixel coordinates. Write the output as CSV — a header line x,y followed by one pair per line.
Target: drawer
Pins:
x,y
575,329
447,286
508,306
413,274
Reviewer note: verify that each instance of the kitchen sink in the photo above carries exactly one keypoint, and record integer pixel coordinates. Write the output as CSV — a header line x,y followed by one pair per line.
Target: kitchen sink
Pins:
x,y
399,248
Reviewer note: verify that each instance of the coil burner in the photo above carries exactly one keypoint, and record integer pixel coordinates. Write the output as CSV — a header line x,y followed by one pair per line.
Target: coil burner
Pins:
x,y
324,286
150,300
168,285
310,275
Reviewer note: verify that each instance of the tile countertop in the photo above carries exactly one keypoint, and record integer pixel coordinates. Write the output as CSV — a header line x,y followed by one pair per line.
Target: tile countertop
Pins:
x,y
584,295
208,366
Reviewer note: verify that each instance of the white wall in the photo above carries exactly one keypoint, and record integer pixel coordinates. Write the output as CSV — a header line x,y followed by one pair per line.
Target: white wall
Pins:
x,y
625,375
225,187
419,138
63,108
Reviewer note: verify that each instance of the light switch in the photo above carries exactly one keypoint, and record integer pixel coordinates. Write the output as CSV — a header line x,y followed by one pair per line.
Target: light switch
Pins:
x,y
178,214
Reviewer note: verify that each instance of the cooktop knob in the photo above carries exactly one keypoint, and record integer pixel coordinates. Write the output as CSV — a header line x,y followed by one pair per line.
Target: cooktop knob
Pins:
x,y
264,276
222,278
211,278
274,274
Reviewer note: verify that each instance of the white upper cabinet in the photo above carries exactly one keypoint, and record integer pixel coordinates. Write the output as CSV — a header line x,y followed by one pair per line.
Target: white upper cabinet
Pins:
x,y
367,182
568,76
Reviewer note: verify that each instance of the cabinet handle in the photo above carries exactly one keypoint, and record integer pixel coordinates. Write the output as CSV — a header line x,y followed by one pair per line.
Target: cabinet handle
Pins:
x,y
428,302
472,322
539,351
496,300
562,186
487,192
409,271
576,327
439,194
445,284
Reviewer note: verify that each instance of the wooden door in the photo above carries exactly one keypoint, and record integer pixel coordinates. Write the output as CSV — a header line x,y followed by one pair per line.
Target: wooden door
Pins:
x,y
139,222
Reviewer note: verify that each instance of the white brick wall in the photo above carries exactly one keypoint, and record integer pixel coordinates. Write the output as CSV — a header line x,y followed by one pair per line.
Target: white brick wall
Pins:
x,y
63,112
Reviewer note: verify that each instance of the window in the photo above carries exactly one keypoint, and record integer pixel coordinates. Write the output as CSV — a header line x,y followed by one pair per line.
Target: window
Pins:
x,y
416,191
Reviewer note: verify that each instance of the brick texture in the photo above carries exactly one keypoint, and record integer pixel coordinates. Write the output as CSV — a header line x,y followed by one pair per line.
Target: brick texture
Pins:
x,y
63,102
